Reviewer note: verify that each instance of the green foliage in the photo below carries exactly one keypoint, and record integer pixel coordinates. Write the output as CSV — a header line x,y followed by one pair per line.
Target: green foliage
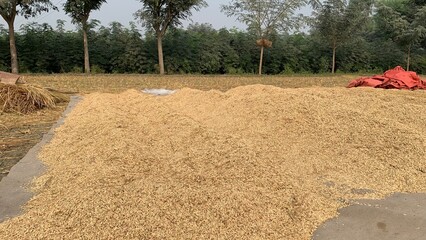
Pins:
x,y
339,22
79,10
198,49
202,49
159,15
4,50
27,8
323,65
265,18
45,50
116,49
76,69
97,69
287,70
404,22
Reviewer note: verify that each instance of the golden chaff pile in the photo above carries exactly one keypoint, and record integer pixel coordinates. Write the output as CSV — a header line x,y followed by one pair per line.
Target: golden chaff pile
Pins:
x,y
256,162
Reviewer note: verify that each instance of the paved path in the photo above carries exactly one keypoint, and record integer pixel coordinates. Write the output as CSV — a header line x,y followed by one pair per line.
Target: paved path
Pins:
x,y
13,187
401,216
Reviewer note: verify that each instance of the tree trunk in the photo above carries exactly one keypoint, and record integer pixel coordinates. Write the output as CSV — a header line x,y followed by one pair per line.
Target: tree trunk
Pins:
x,y
160,53
408,57
261,60
13,52
333,66
86,50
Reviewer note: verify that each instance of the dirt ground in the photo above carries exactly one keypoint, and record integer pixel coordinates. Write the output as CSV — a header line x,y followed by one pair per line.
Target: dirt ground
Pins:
x,y
256,162
21,132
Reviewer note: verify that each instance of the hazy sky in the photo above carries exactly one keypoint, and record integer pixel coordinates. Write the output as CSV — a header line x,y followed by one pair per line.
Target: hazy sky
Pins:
x,y
122,11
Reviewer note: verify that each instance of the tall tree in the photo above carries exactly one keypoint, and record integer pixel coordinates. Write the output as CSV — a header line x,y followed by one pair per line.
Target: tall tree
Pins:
x,y
28,8
266,17
80,10
159,15
404,21
338,21
4,49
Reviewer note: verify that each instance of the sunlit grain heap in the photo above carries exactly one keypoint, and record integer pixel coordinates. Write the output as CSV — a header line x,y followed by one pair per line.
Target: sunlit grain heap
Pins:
x,y
255,162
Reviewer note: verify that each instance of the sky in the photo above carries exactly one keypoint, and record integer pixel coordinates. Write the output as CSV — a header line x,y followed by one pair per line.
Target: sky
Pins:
x,y
122,11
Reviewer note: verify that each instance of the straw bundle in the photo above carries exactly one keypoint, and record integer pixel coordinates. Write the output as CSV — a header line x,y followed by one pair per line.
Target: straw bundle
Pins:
x,y
26,98
264,42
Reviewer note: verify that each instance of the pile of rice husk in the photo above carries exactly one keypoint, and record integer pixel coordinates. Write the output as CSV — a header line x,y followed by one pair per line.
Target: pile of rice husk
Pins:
x,y
25,98
256,162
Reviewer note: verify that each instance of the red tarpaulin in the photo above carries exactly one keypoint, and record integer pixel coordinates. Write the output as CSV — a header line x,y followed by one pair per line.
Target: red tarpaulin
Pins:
x,y
396,78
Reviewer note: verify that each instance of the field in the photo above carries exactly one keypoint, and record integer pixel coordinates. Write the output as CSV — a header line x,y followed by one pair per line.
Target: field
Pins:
x,y
259,162
117,83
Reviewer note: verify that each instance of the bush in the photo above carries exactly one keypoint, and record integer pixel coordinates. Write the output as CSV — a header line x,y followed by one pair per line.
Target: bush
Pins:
x,y
96,69
76,69
287,70
232,70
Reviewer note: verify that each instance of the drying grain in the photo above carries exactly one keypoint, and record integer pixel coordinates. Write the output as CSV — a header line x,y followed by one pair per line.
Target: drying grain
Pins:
x,y
256,162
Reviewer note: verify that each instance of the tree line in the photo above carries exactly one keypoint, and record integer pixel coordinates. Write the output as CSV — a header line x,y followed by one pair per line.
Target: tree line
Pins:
x,y
344,36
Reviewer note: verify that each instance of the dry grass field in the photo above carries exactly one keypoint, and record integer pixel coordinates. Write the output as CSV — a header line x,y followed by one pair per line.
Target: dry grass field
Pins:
x,y
251,162
118,83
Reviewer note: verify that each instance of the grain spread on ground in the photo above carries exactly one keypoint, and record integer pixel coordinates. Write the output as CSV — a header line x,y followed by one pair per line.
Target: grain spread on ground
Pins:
x,y
256,162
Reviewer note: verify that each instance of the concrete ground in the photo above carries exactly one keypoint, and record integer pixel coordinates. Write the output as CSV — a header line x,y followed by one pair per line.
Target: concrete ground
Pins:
x,y
14,191
401,216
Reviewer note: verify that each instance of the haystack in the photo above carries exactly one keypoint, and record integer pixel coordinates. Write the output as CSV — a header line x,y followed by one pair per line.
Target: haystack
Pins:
x,y
25,98
264,42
